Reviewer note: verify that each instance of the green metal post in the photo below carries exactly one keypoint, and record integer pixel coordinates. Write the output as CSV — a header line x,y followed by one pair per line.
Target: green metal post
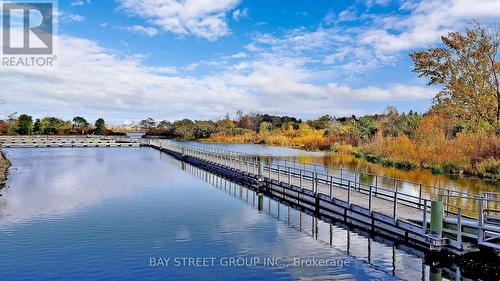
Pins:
x,y
437,217
261,168
261,202
435,275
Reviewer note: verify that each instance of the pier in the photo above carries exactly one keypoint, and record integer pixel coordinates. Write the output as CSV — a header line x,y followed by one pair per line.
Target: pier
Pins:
x,y
66,141
428,221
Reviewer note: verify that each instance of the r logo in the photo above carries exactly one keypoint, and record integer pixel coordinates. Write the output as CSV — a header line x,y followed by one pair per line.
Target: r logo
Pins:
x,y
28,28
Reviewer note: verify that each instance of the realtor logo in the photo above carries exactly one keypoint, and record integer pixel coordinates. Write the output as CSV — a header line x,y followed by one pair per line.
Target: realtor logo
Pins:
x,y
28,28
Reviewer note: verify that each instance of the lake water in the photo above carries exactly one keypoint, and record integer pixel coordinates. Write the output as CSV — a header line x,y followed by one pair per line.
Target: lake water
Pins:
x,y
112,213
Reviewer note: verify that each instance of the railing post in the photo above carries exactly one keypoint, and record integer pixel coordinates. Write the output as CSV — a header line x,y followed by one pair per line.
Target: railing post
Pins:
x,y
341,177
480,232
349,193
370,199
279,172
459,228
424,219
420,196
289,176
300,178
448,201
315,182
395,210
331,187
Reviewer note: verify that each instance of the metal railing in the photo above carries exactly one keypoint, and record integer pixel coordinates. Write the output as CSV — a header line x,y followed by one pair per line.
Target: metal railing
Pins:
x,y
414,209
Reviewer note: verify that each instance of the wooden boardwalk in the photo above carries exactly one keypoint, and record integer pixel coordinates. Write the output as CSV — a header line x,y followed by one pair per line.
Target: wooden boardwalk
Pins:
x,y
66,141
389,212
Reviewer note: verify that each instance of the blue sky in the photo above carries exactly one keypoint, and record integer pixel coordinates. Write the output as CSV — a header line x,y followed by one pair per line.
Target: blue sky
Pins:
x,y
126,60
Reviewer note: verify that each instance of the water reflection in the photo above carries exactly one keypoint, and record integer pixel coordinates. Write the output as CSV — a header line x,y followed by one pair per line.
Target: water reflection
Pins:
x,y
53,182
100,213
398,260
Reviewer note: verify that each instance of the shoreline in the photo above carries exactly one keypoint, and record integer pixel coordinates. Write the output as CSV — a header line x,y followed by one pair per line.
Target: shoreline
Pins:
x,y
4,168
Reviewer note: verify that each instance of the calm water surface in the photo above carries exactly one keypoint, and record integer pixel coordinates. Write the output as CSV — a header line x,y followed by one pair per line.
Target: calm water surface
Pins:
x,y
103,213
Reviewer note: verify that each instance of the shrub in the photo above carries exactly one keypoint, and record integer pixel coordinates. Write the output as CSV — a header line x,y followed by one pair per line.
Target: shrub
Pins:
x,y
404,165
489,168
437,170
451,167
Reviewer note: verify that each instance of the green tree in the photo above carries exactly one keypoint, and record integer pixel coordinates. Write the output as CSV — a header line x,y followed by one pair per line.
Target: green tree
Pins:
x,y
38,127
467,71
367,127
226,125
53,126
184,129
12,123
100,126
80,122
25,125
408,123
389,122
204,129
148,123
322,122
265,128
165,124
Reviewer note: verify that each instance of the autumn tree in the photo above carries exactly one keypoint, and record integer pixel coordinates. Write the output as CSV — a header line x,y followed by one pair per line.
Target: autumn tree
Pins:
x,y
467,70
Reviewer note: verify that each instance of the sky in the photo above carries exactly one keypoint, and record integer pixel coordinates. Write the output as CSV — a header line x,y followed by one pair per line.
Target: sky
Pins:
x,y
126,60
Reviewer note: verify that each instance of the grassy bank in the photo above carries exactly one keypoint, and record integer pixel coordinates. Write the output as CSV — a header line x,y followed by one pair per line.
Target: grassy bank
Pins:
x,y
4,168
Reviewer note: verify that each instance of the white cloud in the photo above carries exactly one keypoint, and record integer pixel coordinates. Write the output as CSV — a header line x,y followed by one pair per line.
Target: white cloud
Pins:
x,y
206,19
69,17
371,3
240,55
146,30
95,81
298,72
163,69
79,3
239,14
427,22
192,66
373,40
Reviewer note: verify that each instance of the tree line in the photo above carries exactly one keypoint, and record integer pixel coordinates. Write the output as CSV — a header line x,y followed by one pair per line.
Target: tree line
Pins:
x,y
24,125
